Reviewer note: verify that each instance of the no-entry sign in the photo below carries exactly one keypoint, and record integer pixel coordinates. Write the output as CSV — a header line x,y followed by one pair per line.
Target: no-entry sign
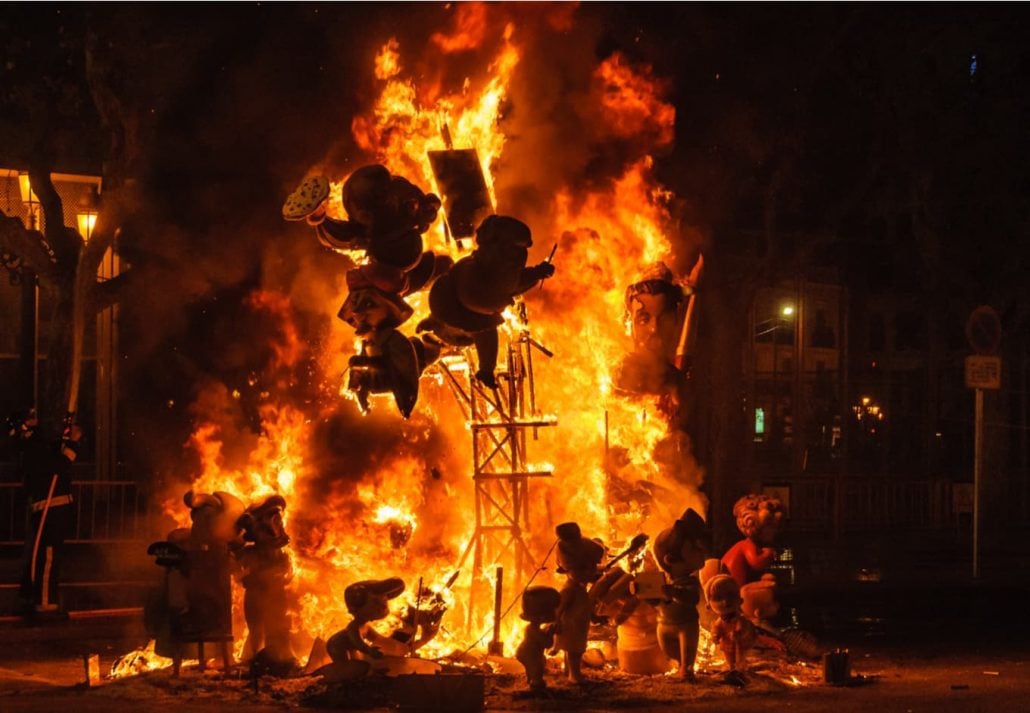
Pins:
x,y
983,330
983,372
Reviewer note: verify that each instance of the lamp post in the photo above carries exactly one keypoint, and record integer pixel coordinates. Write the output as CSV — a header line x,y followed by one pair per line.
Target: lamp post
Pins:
x,y
28,197
787,315
86,213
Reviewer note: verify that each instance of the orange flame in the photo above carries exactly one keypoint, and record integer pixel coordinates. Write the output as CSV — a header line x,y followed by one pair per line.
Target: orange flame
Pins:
x,y
402,519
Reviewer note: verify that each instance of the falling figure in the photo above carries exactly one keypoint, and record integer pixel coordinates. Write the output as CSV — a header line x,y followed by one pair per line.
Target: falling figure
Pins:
x,y
467,303
387,215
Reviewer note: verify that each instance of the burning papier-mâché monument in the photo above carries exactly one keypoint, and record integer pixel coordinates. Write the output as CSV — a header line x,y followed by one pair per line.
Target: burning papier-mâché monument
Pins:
x,y
502,472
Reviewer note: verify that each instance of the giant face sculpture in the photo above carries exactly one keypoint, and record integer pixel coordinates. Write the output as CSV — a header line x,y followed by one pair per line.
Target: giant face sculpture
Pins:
x,y
653,323
653,306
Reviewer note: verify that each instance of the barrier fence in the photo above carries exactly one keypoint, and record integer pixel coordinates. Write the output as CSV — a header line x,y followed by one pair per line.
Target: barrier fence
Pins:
x,y
115,510
828,504
105,511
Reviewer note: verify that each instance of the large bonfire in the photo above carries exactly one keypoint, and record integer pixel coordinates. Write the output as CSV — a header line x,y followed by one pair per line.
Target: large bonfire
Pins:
x,y
403,504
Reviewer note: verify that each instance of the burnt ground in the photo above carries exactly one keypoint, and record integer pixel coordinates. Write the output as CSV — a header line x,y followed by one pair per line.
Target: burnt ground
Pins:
x,y
970,655
935,642
897,680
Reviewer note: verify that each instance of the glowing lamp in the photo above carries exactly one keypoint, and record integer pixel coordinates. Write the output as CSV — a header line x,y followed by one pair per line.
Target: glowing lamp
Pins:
x,y
86,213
787,311
30,199
27,196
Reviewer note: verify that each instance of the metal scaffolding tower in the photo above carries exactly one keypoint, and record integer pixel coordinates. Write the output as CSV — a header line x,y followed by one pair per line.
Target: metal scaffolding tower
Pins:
x,y
500,421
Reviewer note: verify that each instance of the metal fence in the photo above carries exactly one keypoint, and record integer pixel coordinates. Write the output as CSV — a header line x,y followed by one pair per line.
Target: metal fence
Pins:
x,y
842,505
105,511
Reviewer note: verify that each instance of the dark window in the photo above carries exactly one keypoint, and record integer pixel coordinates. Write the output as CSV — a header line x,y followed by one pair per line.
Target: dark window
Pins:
x,y
908,331
877,332
822,333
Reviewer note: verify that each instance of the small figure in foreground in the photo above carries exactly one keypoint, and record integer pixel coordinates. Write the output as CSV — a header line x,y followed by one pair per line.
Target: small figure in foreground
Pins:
x,y
367,601
626,597
195,605
540,609
732,632
266,572
578,560
680,551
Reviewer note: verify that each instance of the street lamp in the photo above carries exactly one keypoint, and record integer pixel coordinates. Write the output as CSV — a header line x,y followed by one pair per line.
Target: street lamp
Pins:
x,y
86,213
786,323
28,197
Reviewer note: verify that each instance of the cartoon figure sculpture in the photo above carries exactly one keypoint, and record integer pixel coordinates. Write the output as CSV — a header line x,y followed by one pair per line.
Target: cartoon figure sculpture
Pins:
x,y
731,631
680,552
466,303
622,596
387,215
266,572
420,623
367,601
759,518
196,604
540,610
578,560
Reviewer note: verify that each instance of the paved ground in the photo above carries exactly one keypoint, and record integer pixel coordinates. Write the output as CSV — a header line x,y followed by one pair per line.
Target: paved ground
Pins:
x,y
935,644
955,668
904,682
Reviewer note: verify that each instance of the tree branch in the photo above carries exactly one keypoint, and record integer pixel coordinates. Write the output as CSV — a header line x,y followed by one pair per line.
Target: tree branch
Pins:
x,y
30,246
66,242
109,293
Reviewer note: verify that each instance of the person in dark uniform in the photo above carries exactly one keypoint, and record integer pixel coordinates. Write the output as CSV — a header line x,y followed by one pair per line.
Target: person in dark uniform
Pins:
x,y
46,474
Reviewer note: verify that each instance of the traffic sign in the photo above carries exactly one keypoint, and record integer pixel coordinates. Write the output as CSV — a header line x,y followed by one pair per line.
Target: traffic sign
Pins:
x,y
983,330
983,372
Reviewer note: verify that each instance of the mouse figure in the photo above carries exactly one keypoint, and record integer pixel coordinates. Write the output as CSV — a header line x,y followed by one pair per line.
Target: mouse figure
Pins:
x,y
680,552
732,632
265,572
367,601
579,560
540,611
467,302
387,215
